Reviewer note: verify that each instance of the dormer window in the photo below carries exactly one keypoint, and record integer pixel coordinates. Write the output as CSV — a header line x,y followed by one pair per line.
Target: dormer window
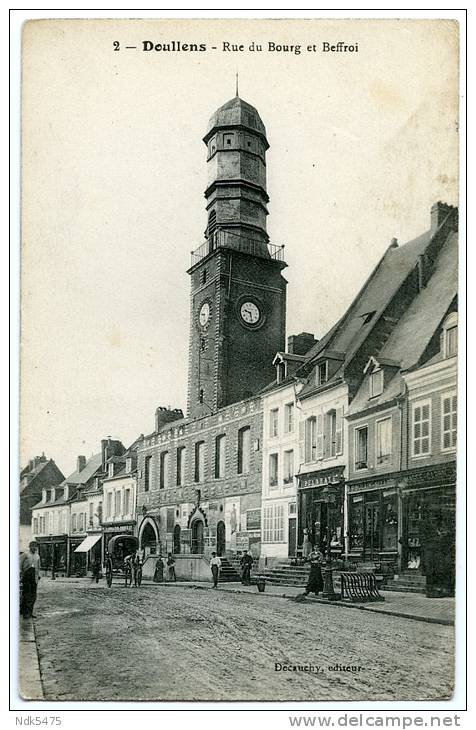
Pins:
x,y
111,470
280,372
376,383
451,341
450,336
129,465
322,373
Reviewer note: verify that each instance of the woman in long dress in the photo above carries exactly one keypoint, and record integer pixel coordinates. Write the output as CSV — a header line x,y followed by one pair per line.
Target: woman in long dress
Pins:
x,y
315,583
159,570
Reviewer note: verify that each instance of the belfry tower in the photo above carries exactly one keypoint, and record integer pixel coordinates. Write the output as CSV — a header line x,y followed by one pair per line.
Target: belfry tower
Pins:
x,y
238,298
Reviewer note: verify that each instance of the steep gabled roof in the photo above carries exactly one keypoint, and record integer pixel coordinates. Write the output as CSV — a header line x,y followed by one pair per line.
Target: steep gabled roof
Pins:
x,y
412,334
33,472
351,331
82,477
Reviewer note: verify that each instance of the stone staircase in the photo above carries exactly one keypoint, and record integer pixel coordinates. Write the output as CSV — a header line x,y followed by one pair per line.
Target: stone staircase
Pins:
x,y
228,570
407,583
286,574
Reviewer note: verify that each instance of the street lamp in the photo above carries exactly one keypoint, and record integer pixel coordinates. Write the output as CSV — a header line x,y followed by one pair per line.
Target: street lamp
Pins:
x,y
53,560
329,494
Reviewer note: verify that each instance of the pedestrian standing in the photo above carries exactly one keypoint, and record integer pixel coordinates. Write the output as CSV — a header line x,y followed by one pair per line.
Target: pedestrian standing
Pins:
x,y
96,569
315,582
215,565
30,575
246,565
159,570
171,567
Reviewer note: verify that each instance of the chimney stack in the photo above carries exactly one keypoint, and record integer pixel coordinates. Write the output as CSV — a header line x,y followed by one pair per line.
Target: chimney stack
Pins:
x,y
301,344
81,463
441,212
165,415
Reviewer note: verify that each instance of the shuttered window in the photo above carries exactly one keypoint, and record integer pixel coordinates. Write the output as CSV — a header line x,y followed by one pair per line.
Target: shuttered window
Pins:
x,y
449,421
339,430
384,441
421,428
273,523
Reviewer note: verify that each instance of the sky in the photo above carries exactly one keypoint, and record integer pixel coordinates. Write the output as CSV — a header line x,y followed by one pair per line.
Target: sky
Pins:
x,y
114,172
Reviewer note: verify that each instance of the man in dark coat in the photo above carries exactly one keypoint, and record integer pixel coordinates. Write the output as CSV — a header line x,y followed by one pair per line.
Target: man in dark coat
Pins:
x,y
246,565
30,575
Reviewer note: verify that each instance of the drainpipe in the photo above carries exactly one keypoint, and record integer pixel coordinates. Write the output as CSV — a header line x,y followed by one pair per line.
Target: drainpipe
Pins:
x,y
400,401
346,521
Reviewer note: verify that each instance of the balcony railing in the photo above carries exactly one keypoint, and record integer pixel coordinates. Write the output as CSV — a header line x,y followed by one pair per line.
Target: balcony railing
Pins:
x,y
228,239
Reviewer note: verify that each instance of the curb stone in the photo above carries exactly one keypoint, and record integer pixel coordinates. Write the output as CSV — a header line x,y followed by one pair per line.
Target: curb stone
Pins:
x,y
371,608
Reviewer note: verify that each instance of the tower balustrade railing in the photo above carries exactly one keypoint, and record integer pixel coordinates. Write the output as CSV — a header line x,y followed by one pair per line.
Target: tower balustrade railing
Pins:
x,y
237,242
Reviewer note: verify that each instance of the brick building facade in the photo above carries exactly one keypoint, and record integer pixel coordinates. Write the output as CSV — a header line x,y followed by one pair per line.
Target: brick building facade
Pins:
x,y
199,483
199,478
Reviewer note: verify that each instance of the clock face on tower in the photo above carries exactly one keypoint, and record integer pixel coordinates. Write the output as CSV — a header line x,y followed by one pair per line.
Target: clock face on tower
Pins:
x,y
204,314
250,313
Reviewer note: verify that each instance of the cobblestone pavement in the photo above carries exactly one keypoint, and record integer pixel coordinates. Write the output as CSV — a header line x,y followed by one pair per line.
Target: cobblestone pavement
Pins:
x,y
162,643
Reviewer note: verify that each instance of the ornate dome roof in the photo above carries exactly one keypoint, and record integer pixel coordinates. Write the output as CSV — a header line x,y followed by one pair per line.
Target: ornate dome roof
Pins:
x,y
235,112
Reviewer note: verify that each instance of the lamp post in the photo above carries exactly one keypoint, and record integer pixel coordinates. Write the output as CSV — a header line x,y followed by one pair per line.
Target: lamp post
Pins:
x,y
53,557
329,493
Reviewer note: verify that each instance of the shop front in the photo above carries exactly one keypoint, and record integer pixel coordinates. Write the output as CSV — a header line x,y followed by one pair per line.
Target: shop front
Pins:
x,y
77,561
373,519
53,552
429,526
91,547
321,509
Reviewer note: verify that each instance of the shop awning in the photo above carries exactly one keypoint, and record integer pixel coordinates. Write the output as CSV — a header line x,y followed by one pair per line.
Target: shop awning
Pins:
x,y
88,543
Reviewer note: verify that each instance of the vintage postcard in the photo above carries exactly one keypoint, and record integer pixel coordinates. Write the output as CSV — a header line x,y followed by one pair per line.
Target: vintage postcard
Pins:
x,y
239,336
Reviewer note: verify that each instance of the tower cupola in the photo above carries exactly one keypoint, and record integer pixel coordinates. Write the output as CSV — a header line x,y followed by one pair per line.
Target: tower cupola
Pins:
x,y
236,192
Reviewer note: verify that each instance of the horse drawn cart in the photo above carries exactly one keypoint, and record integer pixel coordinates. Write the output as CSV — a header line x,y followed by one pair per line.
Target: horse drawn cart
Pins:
x,y
123,560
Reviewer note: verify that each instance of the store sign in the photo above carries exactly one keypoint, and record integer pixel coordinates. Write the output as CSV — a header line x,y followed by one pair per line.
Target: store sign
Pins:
x,y
253,519
242,540
314,480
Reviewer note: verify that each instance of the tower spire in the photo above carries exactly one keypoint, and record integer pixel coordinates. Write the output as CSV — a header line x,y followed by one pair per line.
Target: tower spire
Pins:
x,y
237,84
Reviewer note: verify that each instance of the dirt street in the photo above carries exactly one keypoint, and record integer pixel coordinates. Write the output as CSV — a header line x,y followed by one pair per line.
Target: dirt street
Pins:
x,y
174,643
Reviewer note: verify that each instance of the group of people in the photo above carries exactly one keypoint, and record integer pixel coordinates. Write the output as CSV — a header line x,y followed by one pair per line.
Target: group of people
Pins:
x,y
30,573
160,566
246,564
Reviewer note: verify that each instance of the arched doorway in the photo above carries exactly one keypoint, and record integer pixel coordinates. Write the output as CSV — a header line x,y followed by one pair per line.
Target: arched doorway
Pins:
x,y
197,537
149,537
221,538
177,539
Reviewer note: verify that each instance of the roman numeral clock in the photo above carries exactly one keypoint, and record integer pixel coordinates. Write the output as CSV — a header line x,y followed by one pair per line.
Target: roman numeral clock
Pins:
x,y
238,292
